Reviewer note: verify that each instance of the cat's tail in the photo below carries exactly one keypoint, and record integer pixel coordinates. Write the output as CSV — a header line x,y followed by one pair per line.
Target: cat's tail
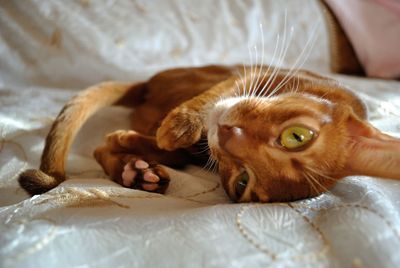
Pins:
x,y
67,124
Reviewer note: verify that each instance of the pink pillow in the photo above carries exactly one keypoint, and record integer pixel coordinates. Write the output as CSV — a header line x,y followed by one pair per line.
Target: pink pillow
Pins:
x,y
373,28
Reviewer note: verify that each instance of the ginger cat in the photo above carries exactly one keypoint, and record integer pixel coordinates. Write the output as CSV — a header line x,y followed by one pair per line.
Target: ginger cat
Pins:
x,y
275,136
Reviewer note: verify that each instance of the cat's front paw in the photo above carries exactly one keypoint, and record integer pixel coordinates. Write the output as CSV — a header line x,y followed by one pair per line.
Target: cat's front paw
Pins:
x,y
141,175
180,129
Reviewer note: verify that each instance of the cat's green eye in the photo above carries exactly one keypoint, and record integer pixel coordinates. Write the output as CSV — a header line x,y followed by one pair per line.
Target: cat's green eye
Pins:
x,y
295,137
241,183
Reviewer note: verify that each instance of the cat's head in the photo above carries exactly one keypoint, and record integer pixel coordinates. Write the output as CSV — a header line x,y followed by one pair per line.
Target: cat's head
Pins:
x,y
294,145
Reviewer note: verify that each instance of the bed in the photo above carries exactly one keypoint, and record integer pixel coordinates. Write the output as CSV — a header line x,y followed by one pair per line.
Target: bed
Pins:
x,y
51,49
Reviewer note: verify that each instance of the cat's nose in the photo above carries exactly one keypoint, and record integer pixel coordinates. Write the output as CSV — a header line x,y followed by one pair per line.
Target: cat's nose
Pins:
x,y
226,133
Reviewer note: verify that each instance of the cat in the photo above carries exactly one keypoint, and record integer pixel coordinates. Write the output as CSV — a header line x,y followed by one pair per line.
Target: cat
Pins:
x,y
275,135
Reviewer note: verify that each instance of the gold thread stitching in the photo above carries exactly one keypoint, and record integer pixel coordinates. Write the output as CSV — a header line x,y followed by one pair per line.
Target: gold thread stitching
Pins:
x,y
323,238
273,255
373,211
213,189
246,235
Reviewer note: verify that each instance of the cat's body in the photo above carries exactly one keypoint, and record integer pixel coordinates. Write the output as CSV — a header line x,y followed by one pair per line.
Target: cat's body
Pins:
x,y
276,136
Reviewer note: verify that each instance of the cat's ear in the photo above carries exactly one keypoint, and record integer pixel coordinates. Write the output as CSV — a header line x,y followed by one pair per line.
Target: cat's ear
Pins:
x,y
371,152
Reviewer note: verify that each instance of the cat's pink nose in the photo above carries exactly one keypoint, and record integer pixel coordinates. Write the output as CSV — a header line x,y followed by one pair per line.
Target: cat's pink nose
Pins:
x,y
226,133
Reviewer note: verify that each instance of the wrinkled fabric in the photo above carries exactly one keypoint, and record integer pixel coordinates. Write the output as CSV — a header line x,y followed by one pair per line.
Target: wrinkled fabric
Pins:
x,y
51,49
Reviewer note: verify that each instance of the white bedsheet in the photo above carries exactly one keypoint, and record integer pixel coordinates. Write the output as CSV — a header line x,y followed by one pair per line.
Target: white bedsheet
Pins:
x,y
51,49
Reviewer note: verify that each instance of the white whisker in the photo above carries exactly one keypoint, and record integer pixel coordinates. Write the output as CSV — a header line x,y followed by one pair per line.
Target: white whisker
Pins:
x,y
295,84
202,151
209,163
237,93
296,66
320,174
317,182
215,168
242,79
269,65
251,73
261,65
310,182
282,53
254,81
279,64
245,80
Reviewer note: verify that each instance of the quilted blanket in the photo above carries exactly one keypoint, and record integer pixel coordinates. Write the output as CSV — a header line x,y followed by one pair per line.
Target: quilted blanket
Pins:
x,y
51,49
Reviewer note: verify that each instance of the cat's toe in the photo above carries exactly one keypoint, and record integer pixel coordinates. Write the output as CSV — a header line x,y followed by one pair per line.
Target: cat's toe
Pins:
x,y
128,177
141,175
149,176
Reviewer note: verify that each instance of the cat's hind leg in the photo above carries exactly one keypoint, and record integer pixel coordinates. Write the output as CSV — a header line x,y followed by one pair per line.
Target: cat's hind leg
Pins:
x,y
132,160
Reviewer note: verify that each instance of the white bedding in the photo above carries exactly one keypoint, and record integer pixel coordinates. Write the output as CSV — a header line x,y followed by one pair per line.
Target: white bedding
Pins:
x,y
51,49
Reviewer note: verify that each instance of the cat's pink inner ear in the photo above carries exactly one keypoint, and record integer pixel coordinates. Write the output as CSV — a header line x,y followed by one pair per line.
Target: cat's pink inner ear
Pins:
x,y
371,152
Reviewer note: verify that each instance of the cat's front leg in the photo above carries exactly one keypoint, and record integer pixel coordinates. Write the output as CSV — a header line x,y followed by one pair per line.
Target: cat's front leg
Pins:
x,y
181,128
184,125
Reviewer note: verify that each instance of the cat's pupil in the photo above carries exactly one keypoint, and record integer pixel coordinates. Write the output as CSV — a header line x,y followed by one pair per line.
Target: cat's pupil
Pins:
x,y
241,183
299,138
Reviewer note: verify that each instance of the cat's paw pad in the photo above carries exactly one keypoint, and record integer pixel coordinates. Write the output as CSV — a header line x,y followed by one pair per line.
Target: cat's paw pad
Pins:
x,y
141,175
180,129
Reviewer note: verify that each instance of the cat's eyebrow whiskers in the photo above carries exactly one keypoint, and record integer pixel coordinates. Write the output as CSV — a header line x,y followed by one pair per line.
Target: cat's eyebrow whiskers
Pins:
x,y
296,84
256,75
254,84
247,94
300,61
282,54
274,73
237,93
259,81
261,65
258,94
242,79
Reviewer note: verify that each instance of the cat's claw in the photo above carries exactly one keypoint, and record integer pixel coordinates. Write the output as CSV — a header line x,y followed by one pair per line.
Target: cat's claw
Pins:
x,y
180,129
141,175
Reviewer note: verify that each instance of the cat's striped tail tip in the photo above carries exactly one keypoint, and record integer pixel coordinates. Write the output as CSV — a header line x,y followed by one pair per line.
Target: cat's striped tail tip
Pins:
x,y
36,181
